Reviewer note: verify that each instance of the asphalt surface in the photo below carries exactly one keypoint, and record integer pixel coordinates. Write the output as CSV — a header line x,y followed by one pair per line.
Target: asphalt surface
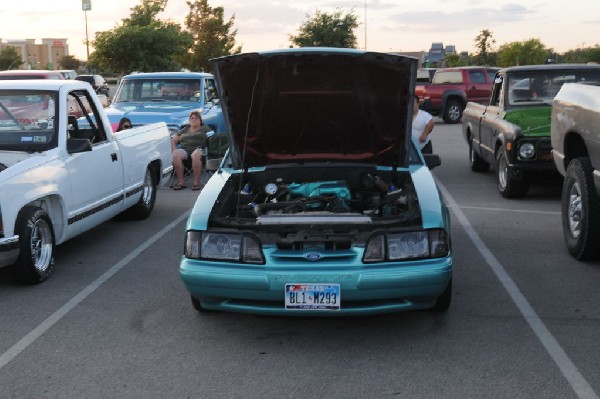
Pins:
x,y
115,321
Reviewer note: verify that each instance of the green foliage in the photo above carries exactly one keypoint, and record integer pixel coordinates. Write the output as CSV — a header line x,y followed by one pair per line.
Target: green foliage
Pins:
x,y
327,30
9,58
69,62
452,60
582,55
141,43
212,36
528,52
484,42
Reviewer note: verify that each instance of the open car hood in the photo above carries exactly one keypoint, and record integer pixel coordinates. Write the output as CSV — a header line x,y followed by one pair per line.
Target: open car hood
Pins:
x,y
317,104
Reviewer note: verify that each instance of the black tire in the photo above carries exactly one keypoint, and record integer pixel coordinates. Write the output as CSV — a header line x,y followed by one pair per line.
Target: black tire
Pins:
x,y
36,240
453,112
442,303
145,205
580,206
508,186
198,305
477,163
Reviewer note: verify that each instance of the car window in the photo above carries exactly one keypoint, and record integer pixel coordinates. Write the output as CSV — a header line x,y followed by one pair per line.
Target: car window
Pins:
x,y
185,90
210,90
477,76
80,115
27,120
445,77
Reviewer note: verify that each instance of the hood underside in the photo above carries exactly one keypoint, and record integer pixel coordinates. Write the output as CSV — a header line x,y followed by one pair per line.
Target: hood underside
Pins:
x,y
304,105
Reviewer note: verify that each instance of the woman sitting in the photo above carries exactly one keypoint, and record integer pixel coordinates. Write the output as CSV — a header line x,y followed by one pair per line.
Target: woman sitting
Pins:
x,y
188,143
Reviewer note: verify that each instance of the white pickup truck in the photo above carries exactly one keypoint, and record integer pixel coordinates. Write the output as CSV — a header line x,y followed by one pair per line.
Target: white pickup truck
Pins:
x,y
59,178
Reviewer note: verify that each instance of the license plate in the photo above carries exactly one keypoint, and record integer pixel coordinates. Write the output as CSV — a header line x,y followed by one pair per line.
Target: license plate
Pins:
x,y
312,296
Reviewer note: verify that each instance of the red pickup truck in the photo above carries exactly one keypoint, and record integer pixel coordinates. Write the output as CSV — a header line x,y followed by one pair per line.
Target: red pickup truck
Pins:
x,y
452,88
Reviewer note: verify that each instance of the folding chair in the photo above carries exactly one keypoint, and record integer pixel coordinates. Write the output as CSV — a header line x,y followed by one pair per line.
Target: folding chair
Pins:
x,y
218,144
187,173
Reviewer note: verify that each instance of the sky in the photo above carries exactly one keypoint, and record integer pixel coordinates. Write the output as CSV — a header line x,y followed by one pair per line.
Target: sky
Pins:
x,y
384,25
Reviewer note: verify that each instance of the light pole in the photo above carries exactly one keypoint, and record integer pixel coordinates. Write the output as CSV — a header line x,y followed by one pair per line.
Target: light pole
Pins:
x,y
365,25
86,5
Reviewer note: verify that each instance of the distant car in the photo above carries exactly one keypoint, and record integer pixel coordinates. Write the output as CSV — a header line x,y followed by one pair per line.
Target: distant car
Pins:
x,y
23,74
323,204
166,97
68,73
425,75
98,83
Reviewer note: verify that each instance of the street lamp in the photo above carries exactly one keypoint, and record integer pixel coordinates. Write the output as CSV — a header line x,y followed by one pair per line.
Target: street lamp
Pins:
x,y
86,5
365,25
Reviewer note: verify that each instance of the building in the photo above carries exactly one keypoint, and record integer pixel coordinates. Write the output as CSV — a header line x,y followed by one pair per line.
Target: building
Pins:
x,y
46,55
435,57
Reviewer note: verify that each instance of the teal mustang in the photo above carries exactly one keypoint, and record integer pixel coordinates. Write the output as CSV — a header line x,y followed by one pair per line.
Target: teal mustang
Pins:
x,y
323,205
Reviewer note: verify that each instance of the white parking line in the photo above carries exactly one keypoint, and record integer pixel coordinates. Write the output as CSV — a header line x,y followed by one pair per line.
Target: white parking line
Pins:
x,y
568,369
481,208
55,317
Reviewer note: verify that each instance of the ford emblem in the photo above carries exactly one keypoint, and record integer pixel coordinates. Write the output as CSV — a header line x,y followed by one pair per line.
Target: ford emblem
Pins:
x,y
312,256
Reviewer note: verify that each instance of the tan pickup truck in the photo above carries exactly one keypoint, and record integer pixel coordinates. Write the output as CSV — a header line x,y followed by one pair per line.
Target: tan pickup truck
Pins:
x,y
575,137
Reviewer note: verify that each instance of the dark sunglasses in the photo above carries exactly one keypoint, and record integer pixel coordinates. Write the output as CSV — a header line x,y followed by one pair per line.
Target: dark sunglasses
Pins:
x,y
126,126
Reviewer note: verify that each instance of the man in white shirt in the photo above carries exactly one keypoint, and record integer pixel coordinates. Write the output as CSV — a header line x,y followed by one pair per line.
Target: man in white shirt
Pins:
x,y
422,126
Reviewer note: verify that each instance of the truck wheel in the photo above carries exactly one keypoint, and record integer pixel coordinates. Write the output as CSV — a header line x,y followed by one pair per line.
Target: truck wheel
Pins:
x,y
580,207
475,161
36,252
453,111
145,205
508,186
442,303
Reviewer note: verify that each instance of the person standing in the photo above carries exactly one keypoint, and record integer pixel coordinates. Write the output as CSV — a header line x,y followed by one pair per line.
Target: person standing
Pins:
x,y
422,126
188,143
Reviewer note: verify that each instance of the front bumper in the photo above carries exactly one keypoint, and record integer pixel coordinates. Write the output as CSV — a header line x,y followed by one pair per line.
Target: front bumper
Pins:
x,y
365,289
9,250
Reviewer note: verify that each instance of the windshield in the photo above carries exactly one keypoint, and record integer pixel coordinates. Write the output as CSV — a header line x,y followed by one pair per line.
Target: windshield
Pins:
x,y
144,90
27,120
540,88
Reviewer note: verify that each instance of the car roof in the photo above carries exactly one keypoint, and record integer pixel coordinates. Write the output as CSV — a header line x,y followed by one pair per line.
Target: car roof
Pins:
x,y
550,67
40,84
27,72
168,75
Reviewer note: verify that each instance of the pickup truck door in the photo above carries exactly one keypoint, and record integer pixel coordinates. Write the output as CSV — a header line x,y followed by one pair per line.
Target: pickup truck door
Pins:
x,y
478,87
96,176
490,120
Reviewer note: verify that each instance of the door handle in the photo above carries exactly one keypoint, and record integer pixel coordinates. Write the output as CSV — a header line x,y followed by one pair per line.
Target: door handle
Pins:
x,y
113,156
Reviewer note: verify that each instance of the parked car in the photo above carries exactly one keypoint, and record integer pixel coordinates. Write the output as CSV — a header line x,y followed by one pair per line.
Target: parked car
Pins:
x,y
23,74
512,132
452,88
425,75
59,179
167,97
323,204
68,73
98,83
575,134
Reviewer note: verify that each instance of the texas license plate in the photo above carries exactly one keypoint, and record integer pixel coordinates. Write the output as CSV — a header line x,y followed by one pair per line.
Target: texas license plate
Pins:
x,y
312,296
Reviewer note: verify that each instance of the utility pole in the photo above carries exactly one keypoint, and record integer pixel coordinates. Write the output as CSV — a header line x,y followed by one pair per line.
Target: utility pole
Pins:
x,y
365,25
86,5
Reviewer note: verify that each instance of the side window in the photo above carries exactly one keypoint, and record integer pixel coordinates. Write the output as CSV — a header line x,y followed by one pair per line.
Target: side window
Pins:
x,y
477,76
81,122
210,90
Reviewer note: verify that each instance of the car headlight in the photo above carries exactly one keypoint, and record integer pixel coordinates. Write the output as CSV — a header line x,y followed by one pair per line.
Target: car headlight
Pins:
x,y
229,247
407,245
526,150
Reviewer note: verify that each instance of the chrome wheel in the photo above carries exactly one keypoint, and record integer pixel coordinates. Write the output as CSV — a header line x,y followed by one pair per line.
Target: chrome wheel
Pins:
x,y
148,189
502,172
41,245
575,210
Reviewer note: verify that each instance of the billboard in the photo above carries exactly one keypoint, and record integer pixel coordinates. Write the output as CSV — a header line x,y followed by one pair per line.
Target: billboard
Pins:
x,y
86,5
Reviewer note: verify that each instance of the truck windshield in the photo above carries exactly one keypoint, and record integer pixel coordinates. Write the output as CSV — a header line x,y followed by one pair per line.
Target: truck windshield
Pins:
x,y
145,90
27,120
540,87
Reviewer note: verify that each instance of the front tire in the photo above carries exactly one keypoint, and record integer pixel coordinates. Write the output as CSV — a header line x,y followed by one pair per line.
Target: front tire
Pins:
x,y
579,209
145,205
453,112
508,186
36,240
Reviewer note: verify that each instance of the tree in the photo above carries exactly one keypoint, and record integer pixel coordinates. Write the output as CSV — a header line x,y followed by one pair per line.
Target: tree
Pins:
x,y
9,58
211,36
583,55
327,30
528,52
484,44
69,62
141,43
452,60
